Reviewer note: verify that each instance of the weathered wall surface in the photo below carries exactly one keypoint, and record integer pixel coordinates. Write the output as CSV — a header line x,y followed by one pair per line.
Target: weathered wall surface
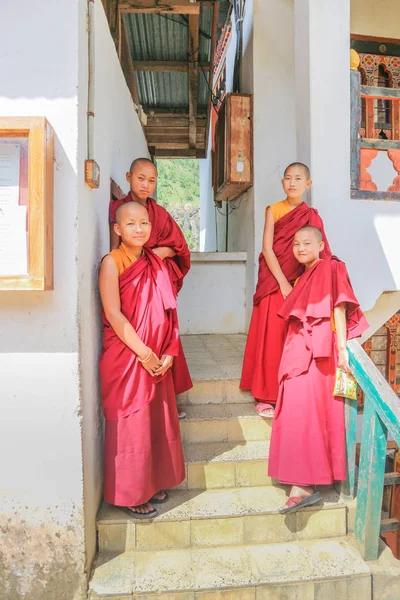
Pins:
x,y
118,139
41,508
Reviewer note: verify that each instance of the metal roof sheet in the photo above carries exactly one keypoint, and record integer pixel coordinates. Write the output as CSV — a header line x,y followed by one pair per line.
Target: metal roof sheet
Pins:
x,y
160,37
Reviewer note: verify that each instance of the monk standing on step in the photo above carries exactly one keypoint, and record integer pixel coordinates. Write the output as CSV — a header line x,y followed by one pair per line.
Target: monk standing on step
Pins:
x,y
142,447
166,240
278,269
308,445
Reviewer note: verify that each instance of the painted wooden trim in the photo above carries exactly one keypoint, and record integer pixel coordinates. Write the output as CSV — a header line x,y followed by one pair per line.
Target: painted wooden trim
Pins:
x,y
370,482
355,111
377,196
392,524
392,478
378,144
379,93
371,45
369,118
40,136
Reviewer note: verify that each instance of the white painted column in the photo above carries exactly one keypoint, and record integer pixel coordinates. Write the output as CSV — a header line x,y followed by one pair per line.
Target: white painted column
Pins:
x,y
322,47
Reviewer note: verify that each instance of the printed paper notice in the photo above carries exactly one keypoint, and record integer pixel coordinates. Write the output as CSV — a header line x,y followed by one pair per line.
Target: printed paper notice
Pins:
x,y
13,241
9,175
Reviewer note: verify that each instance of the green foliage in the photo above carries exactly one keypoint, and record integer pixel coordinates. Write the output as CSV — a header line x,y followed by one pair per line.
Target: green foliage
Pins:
x,y
178,190
178,182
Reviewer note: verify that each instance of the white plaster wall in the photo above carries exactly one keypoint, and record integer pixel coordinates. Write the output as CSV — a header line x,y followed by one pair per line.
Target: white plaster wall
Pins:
x,y
363,233
118,139
268,72
213,297
379,18
40,427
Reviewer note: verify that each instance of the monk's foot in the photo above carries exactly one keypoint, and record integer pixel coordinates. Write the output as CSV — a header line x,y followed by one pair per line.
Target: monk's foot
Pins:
x,y
300,497
160,497
264,409
303,492
141,511
181,414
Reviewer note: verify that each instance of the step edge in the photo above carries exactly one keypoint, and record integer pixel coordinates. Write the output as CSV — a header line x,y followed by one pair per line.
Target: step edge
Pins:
x,y
127,520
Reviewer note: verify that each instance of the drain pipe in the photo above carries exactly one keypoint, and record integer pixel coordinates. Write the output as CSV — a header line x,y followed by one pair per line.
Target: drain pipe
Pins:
x,y
92,170
90,103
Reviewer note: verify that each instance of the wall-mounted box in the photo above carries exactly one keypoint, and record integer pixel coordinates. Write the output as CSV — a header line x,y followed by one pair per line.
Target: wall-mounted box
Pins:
x,y
233,157
26,203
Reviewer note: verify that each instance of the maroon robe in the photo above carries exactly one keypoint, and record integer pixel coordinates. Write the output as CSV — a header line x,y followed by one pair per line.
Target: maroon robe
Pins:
x,y
166,232
308,433
143,451
267,331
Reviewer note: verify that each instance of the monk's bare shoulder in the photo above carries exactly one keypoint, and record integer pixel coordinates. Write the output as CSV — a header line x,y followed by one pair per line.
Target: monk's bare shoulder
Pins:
x,y
108,267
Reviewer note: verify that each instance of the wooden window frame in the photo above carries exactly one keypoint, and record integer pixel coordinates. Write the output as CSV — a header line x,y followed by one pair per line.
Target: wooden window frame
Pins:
x,y
40,136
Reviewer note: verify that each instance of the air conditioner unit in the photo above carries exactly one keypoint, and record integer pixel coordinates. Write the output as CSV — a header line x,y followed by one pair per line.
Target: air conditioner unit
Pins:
x,y
233,156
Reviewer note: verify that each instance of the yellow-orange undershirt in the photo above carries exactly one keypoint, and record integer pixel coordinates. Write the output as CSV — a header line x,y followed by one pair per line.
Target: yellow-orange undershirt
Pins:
x,y
279,209
123,258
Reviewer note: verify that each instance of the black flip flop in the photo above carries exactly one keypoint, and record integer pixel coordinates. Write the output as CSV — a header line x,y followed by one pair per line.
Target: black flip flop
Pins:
x,y
135,515
157,500
307,501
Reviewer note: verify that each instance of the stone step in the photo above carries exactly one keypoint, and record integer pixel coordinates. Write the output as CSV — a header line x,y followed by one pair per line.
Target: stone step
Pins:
x,y
221,517
220,390
223,423
301,570
211,465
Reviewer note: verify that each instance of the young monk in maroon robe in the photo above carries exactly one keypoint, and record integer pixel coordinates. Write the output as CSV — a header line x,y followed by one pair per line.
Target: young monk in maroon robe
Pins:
x,y
278,269
308,445
166,240
142,448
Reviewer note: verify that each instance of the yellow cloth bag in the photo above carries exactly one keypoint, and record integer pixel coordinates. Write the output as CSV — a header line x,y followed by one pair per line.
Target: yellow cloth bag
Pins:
x,y
345,385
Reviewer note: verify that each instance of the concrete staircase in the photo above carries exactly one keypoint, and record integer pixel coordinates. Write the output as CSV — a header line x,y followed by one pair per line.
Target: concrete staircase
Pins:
x,y
221,536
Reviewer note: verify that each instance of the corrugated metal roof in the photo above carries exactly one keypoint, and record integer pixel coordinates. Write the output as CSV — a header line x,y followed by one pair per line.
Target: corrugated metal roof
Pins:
x,y
163,90
156,37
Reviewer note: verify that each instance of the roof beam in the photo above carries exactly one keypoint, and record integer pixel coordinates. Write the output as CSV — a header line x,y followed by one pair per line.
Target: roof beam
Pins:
x,y
166,65
160,6
212,59
193,76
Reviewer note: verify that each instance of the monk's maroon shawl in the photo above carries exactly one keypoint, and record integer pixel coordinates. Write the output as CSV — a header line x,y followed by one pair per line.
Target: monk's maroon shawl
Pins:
x,y
308,310
148,302
284,232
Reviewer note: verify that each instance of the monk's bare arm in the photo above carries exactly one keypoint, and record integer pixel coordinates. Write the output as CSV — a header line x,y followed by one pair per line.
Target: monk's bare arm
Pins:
x,y
270,256
164,252
110,298
339,315
115,240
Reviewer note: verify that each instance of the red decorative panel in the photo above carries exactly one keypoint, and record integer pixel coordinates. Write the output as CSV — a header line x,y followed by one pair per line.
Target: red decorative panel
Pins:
x,y
367,155
394,156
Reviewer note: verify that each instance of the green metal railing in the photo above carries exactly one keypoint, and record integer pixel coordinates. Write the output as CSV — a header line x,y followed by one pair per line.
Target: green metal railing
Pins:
x,y
381,416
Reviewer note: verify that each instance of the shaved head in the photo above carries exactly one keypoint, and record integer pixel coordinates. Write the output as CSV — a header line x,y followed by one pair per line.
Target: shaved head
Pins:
x,y
310,229
129,207
301,166
138,161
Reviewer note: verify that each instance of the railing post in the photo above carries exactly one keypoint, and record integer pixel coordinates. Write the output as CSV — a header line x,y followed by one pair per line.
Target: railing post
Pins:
x,y
370,482
350,415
